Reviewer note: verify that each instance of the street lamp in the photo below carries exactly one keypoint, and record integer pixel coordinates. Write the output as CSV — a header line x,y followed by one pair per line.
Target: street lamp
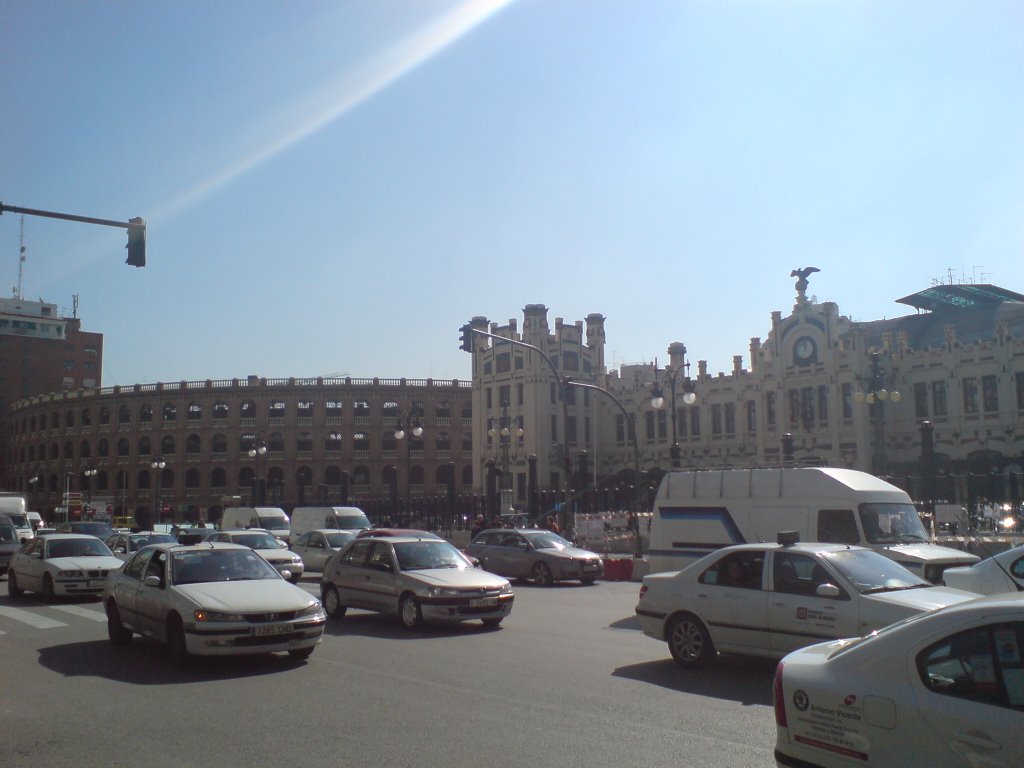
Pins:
x,y
670,376
408,421
504,432
158,465
259,448
873,392
90,473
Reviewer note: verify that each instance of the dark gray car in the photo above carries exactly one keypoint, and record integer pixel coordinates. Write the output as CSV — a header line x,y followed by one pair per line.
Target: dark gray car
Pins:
x,y
543,556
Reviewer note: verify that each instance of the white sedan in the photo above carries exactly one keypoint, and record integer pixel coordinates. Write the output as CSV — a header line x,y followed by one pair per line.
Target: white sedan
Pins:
x,y
210,599
1003,572
61,564
269,547
769,599
317,547
943,689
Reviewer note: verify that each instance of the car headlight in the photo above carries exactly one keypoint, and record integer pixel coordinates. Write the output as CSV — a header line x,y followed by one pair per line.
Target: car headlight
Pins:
x,y
311,610
506,588
442,592
72,574
202,615
296,560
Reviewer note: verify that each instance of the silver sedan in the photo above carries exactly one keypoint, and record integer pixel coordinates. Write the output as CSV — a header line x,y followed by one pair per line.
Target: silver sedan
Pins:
x,y
317,547
526,553
417,579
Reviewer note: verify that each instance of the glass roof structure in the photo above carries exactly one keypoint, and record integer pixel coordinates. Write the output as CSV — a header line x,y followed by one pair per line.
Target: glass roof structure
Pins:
x,y
959,297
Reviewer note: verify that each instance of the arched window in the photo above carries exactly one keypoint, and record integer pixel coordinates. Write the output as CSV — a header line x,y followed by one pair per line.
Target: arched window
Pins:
x,y
193,444
167,445
195,411
192,478
54,451
69,450
304,476
390,412
467,442
218,478
360,441
84,450
305,409
467,475
142,480
145,446
416,474
332,475
304,442
388,441
332,442
86,417
69,419
100,481
103,448
124,416
332,409
275,442
170,412
360,476
443,441
219,443
276,409
55,420
104,414
246,477
247,410
146,413
444,410
220,411
122,447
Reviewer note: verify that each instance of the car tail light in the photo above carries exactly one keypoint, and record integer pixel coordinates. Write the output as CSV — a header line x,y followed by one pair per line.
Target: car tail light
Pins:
x,y
643,590
779,698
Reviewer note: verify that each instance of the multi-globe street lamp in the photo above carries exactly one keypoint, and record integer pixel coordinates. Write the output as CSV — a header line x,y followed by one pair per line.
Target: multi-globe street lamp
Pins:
x,y
258,449
670,376
89,473
504,432
873,391
157,465
408,423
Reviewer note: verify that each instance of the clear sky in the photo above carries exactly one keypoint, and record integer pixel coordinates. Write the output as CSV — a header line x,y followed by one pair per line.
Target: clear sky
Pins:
x,y
333,188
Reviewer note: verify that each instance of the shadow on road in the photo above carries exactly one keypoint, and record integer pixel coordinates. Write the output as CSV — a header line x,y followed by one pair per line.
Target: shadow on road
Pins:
x,y
144,662
369,624
741,679
630,622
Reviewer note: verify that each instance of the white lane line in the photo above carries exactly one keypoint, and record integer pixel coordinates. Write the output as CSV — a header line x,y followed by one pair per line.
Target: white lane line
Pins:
x,y
85,613
33,620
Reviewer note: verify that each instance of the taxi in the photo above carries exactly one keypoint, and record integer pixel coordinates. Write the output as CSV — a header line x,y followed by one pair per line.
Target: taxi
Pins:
x,y
770,599
943,689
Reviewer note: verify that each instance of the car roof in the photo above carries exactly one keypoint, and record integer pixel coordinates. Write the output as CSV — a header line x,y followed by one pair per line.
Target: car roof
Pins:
x,y
404,538
246,530
72,536
807,547
381,533
202,546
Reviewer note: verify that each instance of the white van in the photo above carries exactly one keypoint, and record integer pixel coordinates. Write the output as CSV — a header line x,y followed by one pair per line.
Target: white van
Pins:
x,y
697,512
14,507
35,520
272,519
332,518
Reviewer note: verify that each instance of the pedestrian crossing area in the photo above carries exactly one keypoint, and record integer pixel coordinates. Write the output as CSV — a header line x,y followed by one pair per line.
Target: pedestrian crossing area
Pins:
x,y
49,616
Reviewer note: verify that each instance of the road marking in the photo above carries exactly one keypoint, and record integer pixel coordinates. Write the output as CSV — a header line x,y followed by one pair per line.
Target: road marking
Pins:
x,y
26,617
87,613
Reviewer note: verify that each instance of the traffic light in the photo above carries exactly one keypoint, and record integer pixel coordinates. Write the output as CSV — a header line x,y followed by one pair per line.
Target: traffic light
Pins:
x,y
136,242
467,338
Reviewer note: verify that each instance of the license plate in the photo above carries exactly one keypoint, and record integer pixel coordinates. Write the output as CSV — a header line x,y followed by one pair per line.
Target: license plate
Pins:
x,y
96,582
483,602
271,629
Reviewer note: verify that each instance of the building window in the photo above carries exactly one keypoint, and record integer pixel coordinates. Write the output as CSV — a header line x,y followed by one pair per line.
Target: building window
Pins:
x,y
519,362
990,394
662,425
769,408
716,419
620,429
649,425
570,361
921,400
502,362
695,422
751,417
970,386
681,422
519,394
823,404
939,398
69,365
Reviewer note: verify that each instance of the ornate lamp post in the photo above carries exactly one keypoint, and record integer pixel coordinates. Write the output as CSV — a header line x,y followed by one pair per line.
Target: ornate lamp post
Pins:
x,y
504,433
259,492
873,392
158,465
90,473
670,376
408,422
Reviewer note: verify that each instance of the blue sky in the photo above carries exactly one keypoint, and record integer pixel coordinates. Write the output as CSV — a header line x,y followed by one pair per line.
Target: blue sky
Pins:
x,y
333,188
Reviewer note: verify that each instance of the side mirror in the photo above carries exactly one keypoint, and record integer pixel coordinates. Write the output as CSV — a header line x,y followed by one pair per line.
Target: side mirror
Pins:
x,y
152,581
286,574
473,560
828,590
119,550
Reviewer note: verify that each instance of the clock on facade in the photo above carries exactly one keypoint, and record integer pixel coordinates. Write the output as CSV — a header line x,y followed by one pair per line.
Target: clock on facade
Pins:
x,y
804,350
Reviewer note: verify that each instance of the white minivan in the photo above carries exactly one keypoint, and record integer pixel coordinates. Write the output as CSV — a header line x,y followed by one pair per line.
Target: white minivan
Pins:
x,y
327,518
699,511
271,519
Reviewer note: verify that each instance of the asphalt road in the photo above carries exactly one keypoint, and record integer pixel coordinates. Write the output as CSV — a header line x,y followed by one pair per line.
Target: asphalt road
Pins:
x,y
568,680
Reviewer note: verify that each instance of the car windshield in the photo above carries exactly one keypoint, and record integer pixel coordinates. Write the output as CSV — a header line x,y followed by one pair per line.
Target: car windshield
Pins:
x,y
869,571
548,540
18,518
93,529
274,523
8,535
256,540
421,555
338,540
136,543
892,524
209,565
76,548
353,522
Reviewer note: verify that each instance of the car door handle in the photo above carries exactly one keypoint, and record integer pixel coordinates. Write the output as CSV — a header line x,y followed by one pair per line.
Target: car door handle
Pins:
x,y
979,740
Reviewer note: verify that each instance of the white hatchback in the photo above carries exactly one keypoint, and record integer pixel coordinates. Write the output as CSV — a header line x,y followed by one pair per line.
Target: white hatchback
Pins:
x,y
943,689
61,564
769,599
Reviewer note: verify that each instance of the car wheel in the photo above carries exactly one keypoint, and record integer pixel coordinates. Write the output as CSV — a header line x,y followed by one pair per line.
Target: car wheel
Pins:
x,y
588,580
332,602
300,654
493,622
542,574
176,639
409,612
118,633
12,585
688,641
48,592
295,579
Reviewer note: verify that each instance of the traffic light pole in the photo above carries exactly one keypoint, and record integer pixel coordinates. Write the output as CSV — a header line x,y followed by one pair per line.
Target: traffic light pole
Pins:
x,y
136,229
